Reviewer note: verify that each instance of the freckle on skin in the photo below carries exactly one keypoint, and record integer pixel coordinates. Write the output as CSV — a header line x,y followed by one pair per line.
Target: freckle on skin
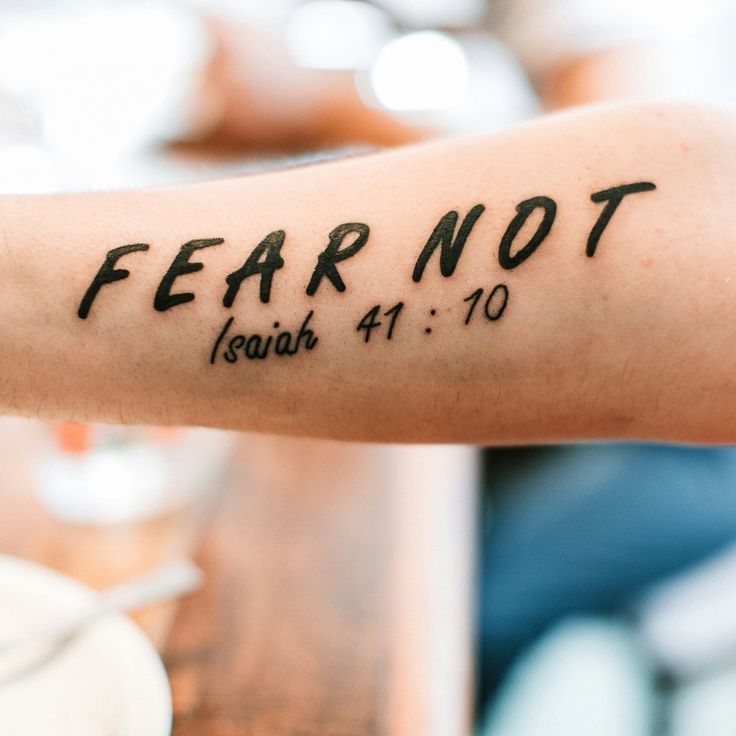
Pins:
x,y
646,262
684,147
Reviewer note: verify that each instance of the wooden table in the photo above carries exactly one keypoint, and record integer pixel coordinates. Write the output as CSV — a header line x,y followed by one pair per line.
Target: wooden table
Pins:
x,y
338,585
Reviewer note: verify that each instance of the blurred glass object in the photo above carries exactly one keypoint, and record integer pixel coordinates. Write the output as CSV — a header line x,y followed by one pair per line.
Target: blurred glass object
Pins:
x,y
461,84
337,34
497,94
266,15
25,167
436,13
705,706
625,49
689,623
420,71
106,474
586,676
105,79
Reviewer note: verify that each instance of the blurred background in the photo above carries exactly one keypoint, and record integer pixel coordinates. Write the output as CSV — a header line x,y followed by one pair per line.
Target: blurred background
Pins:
x,y
576,590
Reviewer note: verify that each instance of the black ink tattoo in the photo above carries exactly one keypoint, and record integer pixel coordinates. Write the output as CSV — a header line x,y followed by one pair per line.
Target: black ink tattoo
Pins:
x,y
612,197
270,247
442,237
495,304
473,299
370,320
523,210
108,275
394,314
257,346
449,236
216,345
332,254
181,265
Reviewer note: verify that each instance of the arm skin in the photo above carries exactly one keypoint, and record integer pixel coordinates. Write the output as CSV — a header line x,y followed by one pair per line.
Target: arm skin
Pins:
x,y
638,341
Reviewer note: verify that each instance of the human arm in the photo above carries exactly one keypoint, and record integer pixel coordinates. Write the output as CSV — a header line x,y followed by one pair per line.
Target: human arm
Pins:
x,y
637,340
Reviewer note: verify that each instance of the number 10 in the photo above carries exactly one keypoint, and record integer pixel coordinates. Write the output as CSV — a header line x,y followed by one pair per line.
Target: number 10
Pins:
x,y
494,306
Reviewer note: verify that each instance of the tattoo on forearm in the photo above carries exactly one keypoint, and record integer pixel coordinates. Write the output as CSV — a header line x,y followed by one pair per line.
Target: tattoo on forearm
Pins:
x,y
333,254
270,247
612,197
379,322
164,299
258,347
441,236
107,275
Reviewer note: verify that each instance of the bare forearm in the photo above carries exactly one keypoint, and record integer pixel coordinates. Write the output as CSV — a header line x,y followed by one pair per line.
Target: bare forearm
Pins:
x,y
553,321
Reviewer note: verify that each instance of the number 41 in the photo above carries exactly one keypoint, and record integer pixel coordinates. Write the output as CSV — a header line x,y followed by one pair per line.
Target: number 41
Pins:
x,y
371,322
